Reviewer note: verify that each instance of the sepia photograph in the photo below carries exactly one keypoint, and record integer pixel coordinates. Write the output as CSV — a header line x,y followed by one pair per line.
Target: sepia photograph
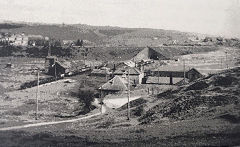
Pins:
x,y
106,73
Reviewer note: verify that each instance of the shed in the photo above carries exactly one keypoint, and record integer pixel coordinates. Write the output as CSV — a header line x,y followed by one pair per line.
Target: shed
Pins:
x,y
135,74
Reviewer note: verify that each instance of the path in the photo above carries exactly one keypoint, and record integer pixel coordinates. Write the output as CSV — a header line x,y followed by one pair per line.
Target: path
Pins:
x,y
118,102
52,123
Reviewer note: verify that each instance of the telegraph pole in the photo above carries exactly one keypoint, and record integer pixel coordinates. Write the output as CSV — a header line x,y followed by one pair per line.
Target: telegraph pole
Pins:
x,y
55,69
128,117
101,100
221,64
106,76
49,49
158,71
37,94
226,60
184,72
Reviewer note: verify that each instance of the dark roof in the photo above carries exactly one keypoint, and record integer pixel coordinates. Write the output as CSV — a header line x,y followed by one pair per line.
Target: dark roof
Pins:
x,y
115,84
149,53
193,69
64,65
176,70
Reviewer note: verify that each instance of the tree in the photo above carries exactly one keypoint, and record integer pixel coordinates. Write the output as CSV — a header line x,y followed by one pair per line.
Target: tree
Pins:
x,y
79,43
86,96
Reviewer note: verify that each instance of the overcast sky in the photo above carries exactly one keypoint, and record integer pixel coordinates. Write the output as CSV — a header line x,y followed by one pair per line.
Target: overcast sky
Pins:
x,y
219,17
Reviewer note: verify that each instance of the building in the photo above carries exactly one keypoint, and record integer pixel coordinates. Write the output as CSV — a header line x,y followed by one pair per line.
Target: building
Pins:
x,y
24,40
36,40
115,85
19,39
68,42
101,72
56,68
135,75
191,74
148,54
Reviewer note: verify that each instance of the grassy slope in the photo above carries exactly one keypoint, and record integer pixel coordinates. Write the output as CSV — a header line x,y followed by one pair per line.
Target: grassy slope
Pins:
x,y
207,115
214,96
104,35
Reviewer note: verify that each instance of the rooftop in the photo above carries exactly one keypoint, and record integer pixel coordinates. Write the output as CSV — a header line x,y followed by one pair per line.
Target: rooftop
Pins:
x,y
115,84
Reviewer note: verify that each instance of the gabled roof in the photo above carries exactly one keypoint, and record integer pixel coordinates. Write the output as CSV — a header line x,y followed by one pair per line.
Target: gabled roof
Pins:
x,y
64,65
129,63
175,69
193,70
133,71
148,53
115,84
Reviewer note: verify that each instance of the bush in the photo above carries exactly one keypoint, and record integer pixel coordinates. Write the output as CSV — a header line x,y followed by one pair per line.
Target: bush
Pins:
x,y
223,81
139,111
16,113
197,86
86,97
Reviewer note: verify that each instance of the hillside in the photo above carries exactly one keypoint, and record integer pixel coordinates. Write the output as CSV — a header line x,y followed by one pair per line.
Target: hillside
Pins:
x,y
216,96
101,35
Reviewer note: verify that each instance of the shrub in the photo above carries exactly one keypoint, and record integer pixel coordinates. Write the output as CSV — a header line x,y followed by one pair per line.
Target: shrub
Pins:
x,y
197,86
16,113
223,81
139,111
86,97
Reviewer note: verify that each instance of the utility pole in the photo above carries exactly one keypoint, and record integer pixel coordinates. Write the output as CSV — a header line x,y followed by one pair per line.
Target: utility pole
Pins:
x,y
37,94
128,117
158,71
101,100
106,77
221,64
55,69
49,48
184,72
226,60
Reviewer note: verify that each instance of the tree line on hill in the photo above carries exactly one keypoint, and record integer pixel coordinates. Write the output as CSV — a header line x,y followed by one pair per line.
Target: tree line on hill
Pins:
x,y
40,50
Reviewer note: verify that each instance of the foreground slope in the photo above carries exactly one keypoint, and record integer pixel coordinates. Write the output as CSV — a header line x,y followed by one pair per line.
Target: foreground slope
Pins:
x,y
203,113
214,96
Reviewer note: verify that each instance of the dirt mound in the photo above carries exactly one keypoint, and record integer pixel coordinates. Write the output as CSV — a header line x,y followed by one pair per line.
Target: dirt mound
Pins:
x,y
198,99
199,85
223,80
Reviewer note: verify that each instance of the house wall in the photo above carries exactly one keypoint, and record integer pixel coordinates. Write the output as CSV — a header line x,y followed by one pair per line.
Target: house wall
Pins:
x,y
106,92
49,62
134,79
59,69
178,74
193,75
141,76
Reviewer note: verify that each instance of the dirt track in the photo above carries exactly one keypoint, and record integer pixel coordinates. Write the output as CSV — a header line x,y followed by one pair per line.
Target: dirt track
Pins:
x,y
53,123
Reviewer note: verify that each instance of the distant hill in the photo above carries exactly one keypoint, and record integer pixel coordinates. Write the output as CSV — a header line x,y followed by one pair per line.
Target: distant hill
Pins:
x,y
10,26
100,35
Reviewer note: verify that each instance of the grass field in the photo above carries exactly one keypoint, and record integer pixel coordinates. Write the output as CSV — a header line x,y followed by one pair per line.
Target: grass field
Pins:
x,y
58,101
